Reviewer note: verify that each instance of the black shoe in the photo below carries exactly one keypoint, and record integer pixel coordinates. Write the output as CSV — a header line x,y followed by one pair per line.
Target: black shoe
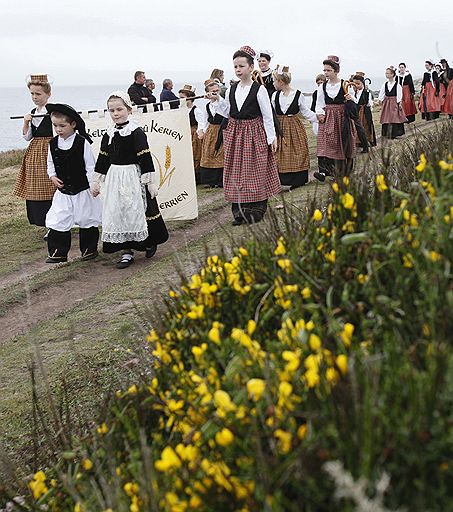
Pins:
x,y
125,261
46,236
237,222
90,256
151,251
51,259
320,176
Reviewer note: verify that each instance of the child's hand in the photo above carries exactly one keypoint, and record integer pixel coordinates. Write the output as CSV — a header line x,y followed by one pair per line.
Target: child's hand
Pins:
x,y
200,134
274,146
57,182
95,189
27,118
347,97
321,118
153,190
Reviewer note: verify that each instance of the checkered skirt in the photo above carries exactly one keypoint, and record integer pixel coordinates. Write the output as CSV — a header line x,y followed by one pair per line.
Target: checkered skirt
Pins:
x,y
32,182
292,154
250,171
196,148
210,158
330,143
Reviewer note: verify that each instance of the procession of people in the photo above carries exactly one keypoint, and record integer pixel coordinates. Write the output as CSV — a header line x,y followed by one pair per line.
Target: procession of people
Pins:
x,y
248,138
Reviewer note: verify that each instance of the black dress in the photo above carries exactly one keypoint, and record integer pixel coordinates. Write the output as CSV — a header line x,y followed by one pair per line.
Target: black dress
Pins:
x,y
123,151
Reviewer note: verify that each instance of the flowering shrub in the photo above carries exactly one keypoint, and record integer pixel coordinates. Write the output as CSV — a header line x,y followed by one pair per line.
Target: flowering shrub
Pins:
x,y
329,339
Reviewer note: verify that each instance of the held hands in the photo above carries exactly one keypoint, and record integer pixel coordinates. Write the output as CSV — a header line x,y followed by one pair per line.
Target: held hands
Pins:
x,y
153,189
321,118
95,189
347,97
274,146
57,182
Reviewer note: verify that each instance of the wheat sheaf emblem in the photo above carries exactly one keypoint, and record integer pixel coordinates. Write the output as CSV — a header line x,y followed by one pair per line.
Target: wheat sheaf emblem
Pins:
x,y
167,171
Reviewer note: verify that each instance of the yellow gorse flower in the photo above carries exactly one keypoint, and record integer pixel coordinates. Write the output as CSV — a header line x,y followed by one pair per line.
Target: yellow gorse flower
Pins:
x,y
347,200
422,163
317,215
380,182
255,388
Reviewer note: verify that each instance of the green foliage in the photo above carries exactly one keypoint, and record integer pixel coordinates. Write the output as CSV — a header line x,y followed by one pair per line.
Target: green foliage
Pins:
x,y
327,339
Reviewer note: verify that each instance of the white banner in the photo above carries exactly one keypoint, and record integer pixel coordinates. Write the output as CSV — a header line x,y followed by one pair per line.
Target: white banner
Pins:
x,y
170,142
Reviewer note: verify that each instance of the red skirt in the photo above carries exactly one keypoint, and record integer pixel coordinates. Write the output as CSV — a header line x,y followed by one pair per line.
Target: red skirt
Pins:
x,y
408,102
391,112
250,171
428,96
447,107
330,142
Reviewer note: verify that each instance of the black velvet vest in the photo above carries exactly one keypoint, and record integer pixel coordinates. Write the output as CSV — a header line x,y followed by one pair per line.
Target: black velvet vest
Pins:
x,y
250,109
192,120
293,109
364,98
217,119
70,165
392,92
339,98
44,129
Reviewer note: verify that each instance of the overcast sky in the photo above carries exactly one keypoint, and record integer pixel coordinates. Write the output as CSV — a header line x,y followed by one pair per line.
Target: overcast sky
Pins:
x,y
86,42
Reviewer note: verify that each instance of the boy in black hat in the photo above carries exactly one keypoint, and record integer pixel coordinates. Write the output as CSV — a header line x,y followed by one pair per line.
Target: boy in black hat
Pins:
x,y
70,166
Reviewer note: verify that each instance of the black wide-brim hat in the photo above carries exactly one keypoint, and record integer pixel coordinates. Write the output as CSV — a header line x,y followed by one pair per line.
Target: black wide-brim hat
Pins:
x,y
68,111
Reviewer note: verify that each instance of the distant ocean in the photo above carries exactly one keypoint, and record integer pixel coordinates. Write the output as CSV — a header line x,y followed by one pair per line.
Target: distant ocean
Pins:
x,y
16,101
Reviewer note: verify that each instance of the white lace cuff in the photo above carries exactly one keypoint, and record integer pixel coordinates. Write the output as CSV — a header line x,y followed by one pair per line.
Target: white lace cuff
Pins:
x,y
98,177
148,177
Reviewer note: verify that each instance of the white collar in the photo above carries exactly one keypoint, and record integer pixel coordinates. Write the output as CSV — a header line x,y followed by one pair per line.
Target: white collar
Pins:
x,y
266,73
124,132
67,142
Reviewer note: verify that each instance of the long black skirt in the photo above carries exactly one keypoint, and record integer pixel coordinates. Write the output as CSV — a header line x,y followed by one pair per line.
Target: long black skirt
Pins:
x,y
157,231
293,179
391,131
37,211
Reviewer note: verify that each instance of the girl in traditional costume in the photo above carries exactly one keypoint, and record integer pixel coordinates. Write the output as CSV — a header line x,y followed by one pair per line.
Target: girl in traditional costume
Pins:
x,y
218,76
364,102
293,159
336,145
407,83
195,115
32,183
320,79
264,76
250,170
130,215
430,99
392,113
447,78
212,156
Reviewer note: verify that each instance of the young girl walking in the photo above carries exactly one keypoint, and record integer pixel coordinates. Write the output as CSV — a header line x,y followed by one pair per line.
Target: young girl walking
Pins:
x,y
130,215
430,99
195,117
212,156
293,159
250,171
392,113
336,146
407,83
32,182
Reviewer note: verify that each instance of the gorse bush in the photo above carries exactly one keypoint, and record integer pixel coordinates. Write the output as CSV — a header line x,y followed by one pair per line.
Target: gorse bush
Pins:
x,y
327,338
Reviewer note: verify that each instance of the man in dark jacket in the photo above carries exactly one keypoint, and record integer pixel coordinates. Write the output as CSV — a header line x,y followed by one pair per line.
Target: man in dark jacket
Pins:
x,y
167,94
138,93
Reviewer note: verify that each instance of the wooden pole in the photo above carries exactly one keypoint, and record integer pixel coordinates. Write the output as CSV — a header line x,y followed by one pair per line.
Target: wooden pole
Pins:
x,y
138,106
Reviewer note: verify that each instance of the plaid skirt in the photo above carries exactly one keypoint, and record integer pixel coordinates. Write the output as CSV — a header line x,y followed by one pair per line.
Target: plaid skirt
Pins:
x,y
292,153
210,158
32,182
330,142
250,172
196,148
391,112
